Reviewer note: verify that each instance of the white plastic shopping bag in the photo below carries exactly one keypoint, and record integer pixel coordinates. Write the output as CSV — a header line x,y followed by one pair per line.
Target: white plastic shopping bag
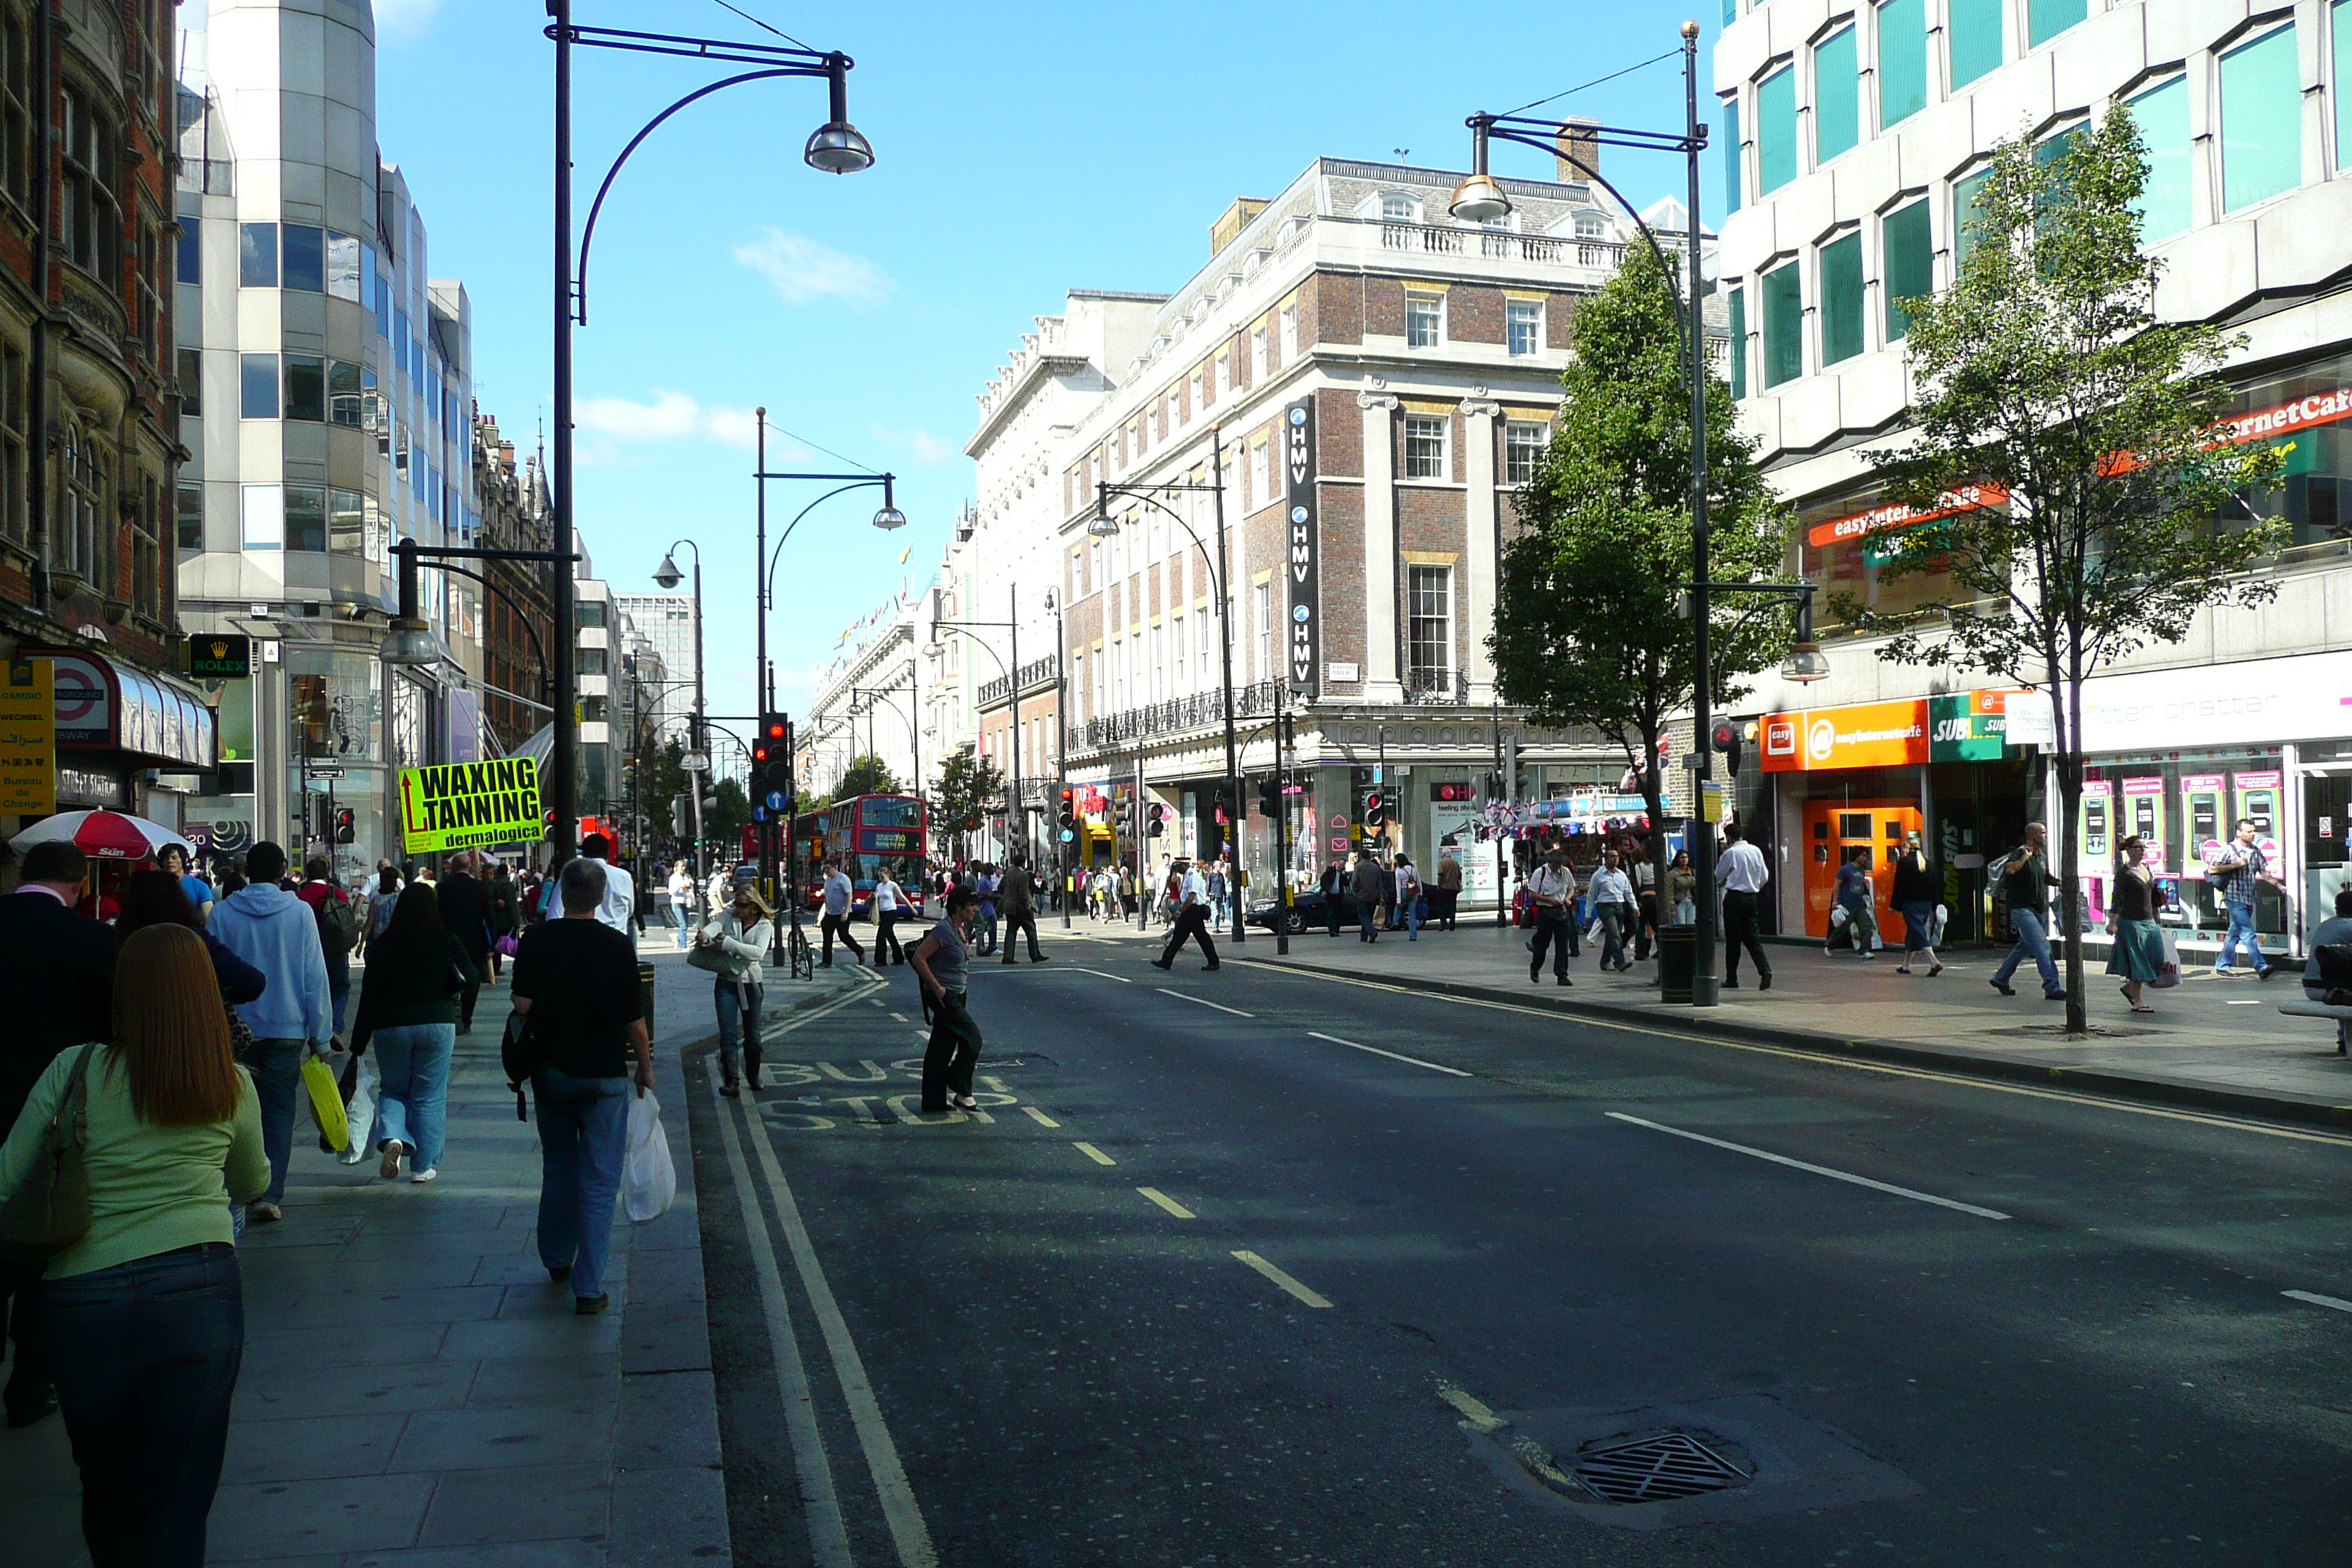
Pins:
x,y
648,1180
360,1113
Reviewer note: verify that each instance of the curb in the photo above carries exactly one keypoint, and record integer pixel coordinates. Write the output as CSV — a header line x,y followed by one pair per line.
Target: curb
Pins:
x,y
2122,1086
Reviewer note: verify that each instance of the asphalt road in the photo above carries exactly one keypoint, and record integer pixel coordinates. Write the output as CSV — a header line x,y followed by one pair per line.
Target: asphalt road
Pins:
x,y
2054,1330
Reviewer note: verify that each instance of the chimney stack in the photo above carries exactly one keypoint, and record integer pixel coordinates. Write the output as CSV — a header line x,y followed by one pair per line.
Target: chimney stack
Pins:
x,y
1577,139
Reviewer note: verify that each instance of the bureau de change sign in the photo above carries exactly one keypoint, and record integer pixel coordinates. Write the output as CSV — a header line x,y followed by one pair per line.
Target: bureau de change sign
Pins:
x,y
464,805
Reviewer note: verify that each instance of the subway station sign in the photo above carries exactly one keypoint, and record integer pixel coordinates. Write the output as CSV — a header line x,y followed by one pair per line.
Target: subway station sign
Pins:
x,y
466,806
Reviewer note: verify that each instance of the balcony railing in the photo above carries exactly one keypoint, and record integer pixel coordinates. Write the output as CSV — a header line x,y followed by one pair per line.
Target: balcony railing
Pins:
x,y
1499,245
1035,674
1437,686
1198,711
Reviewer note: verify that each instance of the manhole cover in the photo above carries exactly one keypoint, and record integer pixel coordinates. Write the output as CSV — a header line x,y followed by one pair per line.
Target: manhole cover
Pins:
x,y
1655,1470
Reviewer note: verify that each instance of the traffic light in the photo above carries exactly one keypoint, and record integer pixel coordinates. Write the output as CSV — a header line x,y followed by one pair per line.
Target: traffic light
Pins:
x,y
1269,799
1376,814
347,822
772,757
1158,822
677,817
1726,739
1069,816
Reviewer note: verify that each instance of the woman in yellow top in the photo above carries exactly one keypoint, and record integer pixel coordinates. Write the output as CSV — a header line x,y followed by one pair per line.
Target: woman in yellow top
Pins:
x,y
145,1315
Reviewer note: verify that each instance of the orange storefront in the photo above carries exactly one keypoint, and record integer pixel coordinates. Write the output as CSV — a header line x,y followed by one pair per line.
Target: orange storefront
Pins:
x,y
1858,779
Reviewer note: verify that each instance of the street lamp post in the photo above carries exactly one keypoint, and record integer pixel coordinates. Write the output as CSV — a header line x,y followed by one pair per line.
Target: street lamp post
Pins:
x,y
667,577
1479,199
1104,526
1067,893
836,147
1012,673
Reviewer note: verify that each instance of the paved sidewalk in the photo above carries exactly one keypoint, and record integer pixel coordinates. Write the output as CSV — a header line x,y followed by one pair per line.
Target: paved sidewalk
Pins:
x,y
417,1393
2216,1042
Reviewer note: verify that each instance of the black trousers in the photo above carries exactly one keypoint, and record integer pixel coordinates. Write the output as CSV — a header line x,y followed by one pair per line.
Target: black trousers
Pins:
x,y
955,1051
1016,922
1192,921
20,1311
833,923
1646,930
1557,932
1331,911
885,938
1739,930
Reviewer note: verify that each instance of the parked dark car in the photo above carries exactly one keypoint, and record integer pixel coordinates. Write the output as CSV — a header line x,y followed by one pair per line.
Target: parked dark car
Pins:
x,y
1306,911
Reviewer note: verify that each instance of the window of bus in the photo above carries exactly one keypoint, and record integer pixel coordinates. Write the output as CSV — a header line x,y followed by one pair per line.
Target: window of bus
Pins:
x,y
1842,542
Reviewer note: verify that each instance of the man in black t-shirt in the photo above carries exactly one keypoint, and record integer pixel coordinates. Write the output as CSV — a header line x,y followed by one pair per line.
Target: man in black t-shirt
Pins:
x,y
576,979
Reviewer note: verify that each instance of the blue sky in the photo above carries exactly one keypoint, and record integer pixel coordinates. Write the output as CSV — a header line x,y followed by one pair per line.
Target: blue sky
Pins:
x,y
1021,151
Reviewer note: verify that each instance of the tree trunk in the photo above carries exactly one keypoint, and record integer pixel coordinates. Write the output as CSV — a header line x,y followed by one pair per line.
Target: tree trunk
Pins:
x,y
2070,795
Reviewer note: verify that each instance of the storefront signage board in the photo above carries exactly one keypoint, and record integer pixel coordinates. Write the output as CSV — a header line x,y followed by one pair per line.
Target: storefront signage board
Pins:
x,y
1970,726
28,738
1304,556
463,805
2143,814
2203,829
1861,735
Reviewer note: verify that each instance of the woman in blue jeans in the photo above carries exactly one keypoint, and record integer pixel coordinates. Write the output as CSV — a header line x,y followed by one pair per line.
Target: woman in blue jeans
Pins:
x,y
735,943
416,974
144,1313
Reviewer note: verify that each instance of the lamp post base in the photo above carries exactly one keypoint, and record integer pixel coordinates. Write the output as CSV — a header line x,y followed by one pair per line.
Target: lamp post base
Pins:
x,y
1705,991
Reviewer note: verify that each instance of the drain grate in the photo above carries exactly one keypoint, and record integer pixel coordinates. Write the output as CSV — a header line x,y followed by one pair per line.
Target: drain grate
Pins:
x,y
1655,1470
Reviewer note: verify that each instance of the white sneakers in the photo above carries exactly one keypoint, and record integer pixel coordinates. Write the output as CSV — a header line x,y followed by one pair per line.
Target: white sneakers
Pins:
x,y
421,1177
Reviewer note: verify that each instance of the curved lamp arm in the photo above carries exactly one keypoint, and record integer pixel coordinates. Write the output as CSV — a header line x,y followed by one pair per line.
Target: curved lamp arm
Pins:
x,y
546,671
1216,572
977,642
768,573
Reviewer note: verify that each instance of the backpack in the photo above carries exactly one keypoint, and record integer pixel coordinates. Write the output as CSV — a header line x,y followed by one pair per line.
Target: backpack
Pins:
x,y
338,929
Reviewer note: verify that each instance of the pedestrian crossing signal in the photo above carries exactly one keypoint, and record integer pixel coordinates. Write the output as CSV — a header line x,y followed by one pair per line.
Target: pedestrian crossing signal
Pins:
x,y
1158,822
1375,812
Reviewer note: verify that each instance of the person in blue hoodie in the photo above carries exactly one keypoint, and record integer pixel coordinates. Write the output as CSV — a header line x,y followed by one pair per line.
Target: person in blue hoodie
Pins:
x,y
275,932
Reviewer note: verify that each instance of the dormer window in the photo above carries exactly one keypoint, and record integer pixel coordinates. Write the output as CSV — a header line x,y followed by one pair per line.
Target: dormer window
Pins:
x,y
1398,209
1592,225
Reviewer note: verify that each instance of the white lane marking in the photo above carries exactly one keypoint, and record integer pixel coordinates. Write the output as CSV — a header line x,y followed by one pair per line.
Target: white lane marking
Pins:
x,y
2316,1300
1107,974
2242,1004
1311,1298
1416,1061
1039,1117
1204,1001
1816,1170
864,994
828,1537
1164,1201
901,1016
911,1536
1096,1155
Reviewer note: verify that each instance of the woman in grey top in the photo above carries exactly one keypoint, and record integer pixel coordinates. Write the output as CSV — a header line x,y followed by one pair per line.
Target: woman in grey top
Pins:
x,y
940,961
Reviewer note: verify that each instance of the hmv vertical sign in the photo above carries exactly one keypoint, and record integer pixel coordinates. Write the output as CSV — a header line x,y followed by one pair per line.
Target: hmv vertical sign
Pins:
x,y
1303,555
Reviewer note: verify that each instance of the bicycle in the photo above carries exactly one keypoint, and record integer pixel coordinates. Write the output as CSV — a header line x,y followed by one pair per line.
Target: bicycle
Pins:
x,y
804,956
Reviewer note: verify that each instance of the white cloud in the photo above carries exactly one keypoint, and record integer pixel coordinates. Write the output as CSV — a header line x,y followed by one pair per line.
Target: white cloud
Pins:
x,y
802,270
398,20
670,416
928,448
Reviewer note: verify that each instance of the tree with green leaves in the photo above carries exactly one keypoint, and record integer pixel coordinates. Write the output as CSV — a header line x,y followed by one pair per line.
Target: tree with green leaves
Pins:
x,y
1589,631
967,789
732,814
2070,452
867,774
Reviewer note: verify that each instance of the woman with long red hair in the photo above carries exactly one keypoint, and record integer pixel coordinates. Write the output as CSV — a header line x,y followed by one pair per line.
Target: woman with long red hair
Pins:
x,y
145,1313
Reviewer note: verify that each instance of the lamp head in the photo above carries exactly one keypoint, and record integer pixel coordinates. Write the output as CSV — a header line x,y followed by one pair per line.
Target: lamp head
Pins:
x,y
889,517
1479,199
1102,525
409,641
667,575
1806,663
836,147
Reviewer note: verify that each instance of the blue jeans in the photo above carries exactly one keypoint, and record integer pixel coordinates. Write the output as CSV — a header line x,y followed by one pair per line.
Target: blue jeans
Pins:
x,y
583,1131
1410,914
146,1356
412,1103
339,991
2033,938
2240,938
678,923
735,1017
276,1069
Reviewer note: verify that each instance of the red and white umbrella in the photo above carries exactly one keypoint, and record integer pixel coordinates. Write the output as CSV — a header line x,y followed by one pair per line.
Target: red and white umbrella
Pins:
x,y
105,835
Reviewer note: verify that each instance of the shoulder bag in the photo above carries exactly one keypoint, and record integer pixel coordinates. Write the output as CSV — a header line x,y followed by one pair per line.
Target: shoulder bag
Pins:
x,y
50,1211
520,1056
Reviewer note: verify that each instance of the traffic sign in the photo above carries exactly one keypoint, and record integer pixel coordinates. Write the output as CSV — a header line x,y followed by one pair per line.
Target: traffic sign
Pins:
x,y
1067,835
775,800
759,814
323,770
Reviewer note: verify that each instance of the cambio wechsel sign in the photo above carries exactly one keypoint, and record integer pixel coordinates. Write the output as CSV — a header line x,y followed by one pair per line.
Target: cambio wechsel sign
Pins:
x,y
1301,561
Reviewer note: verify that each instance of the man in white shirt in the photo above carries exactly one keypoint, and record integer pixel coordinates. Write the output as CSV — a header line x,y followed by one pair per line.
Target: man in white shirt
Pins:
x,y
887,903
838,897
619,909
1740,872
1553,889
1192,921
681,900
1612,893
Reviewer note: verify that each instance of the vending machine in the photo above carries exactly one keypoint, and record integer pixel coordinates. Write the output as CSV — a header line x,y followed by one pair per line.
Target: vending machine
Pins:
x,y
2142,813
2201,804
2097,842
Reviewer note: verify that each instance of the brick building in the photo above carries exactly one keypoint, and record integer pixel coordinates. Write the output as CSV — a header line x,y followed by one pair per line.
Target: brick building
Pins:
x,y
1366,380
88,408
519,613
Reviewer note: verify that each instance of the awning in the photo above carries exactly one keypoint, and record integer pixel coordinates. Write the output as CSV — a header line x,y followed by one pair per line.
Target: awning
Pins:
x,y
105,705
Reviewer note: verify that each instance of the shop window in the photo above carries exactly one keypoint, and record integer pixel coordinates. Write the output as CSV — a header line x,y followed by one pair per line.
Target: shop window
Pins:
x,y
188,523
1837,96
306,517
1784,324
1840,298
1776,130
2313,497
1973,39
2162,114
1902,60
1843,552
1907,257
2262,112
2045,19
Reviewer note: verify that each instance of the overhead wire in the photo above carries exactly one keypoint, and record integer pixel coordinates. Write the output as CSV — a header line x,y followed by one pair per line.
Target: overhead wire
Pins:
x,y
763,25
1554,97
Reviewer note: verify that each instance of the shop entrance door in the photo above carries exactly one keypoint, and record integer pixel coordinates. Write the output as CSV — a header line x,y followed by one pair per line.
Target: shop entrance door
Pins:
x,y
1835,829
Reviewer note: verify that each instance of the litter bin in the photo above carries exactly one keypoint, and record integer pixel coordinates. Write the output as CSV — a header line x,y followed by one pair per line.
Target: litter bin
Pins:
x,y
646,992
1678,962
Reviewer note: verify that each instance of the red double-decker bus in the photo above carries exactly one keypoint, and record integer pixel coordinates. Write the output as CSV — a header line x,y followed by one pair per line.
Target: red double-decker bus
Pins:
x,y
868,834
